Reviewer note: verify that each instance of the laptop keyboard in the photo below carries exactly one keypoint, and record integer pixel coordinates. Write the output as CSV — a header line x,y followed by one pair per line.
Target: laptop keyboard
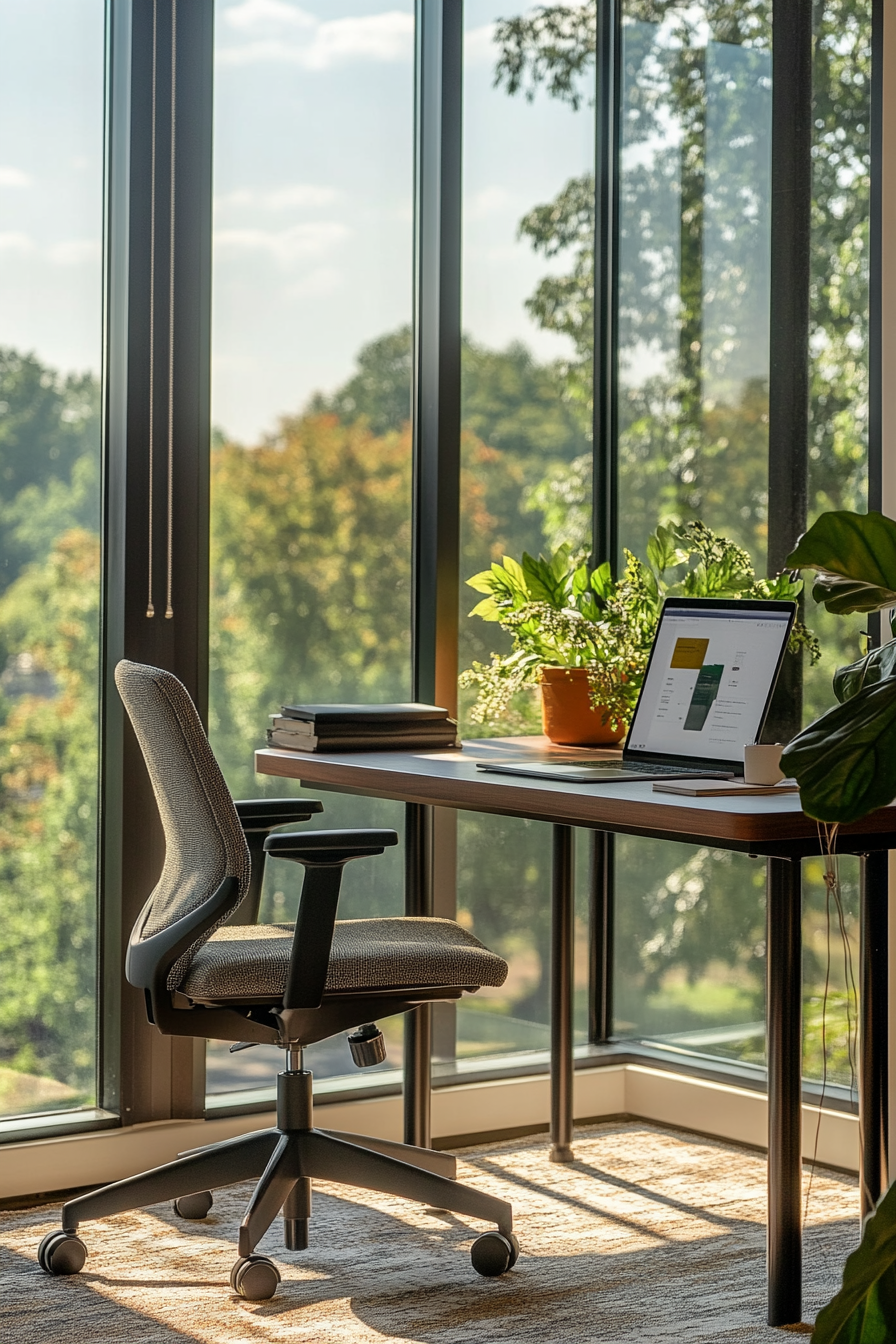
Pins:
x,y
637,768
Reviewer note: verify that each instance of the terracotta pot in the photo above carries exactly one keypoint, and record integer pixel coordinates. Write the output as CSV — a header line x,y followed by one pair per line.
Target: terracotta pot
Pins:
x,y
567,714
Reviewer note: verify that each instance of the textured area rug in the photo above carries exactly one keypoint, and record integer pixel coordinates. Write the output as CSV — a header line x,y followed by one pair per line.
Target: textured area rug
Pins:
x,y
650,1235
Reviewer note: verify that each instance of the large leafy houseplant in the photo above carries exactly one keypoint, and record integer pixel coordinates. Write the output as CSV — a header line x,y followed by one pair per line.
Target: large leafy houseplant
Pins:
x,y
845,764
561,613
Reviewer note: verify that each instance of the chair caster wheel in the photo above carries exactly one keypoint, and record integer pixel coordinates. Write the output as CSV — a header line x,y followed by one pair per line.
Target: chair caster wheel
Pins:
x,y
193,1206
61,1253
255,1277
494,1253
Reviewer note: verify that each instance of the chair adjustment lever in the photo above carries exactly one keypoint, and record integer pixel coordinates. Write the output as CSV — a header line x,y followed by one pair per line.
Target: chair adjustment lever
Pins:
x,y
367,1046
243,1045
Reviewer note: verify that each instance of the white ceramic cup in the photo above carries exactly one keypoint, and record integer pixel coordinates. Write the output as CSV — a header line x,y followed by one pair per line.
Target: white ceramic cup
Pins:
x,y
762,763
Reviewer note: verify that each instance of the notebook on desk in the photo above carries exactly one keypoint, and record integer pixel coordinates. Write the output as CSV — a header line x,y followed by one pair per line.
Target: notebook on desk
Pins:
x,y
707,690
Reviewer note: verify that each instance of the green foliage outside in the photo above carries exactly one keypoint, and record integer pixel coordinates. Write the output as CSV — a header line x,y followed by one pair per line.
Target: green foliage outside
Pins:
x,y
49,639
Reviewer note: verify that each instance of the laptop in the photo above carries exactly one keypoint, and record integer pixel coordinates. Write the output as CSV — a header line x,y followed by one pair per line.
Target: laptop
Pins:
x,y
706,692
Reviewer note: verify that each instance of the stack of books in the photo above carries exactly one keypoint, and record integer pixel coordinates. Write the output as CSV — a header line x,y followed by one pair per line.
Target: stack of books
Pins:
x,y
407,727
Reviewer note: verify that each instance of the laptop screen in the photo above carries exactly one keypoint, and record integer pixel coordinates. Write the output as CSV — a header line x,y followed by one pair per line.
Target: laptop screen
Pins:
x,y
710,678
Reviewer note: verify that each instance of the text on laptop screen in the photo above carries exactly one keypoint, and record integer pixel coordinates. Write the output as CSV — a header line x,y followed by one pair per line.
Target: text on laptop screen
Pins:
x,y
708,682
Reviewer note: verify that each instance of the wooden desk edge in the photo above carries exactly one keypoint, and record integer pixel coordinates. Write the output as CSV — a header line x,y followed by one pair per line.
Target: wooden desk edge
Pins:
x,y
508,798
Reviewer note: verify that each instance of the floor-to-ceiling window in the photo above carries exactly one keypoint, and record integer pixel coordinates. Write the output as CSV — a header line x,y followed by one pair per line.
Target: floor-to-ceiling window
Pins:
x,y
527,266
51,303
311,387
311,451
693,322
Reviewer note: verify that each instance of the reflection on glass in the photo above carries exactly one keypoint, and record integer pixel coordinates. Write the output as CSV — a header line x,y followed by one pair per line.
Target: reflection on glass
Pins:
x,y
838,416
694,295
51,196
527,294
311,458
694,272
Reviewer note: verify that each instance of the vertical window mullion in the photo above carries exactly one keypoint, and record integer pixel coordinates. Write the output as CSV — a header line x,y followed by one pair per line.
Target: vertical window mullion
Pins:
x,y
788,409
605,447
436,385
605,544
148,1076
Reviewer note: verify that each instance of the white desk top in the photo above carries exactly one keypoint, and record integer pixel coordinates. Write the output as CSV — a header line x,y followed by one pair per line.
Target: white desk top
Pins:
x,y
762,824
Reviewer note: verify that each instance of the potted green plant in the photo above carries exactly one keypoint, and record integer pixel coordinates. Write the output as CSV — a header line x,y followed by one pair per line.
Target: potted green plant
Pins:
x,y
845,762
578,632
845,765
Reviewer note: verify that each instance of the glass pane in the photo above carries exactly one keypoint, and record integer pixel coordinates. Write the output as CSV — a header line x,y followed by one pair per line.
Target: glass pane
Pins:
x,y
527,289
311,458
694,271
51,220
693,443
838,460
694,294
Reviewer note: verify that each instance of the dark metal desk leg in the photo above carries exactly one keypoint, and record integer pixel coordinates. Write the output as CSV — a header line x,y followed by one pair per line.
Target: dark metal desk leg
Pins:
x,y
418,899
562,923
784,985
873,1027
600,967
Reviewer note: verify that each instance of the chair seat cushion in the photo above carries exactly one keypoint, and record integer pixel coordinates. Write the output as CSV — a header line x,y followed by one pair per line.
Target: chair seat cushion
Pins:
x,y
251,960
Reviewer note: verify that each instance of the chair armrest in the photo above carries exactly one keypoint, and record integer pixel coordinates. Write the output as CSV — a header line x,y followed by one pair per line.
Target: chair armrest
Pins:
x,y
258,817
263,814
324,854
328,847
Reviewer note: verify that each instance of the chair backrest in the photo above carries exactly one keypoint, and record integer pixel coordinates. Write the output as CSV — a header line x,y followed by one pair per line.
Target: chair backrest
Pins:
x,y
204,841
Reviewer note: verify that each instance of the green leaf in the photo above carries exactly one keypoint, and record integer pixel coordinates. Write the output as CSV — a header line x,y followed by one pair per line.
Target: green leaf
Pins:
x,y
854,555
782,586
845,762
602,581
514,570
488,609
483,582
538,578
559,563
867,671
864,1310
662,551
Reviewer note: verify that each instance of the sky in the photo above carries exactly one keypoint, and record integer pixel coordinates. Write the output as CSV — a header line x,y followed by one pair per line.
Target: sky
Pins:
x,y
51,166
313,171
313,195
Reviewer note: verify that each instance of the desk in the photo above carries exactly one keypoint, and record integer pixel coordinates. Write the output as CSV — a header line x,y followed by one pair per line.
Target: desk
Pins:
x,y
772,827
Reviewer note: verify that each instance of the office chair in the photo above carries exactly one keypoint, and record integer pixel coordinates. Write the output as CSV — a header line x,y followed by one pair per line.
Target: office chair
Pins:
x,y
205,975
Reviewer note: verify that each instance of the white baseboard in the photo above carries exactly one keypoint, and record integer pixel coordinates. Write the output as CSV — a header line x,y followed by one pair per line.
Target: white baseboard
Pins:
x,y
72,1160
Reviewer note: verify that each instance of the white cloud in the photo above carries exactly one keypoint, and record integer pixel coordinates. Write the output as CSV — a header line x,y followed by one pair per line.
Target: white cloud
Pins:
x,y
13,177
300,196
284,34
17,242
299,243
323,280
479,45
267,14
74,252
71,252
488,201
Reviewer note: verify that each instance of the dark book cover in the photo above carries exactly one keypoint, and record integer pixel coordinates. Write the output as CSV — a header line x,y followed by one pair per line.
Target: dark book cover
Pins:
x,y
335,731
360,741
367,714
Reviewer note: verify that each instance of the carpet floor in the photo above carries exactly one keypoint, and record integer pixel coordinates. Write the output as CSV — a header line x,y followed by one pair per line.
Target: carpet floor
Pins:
x,y
651,1235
